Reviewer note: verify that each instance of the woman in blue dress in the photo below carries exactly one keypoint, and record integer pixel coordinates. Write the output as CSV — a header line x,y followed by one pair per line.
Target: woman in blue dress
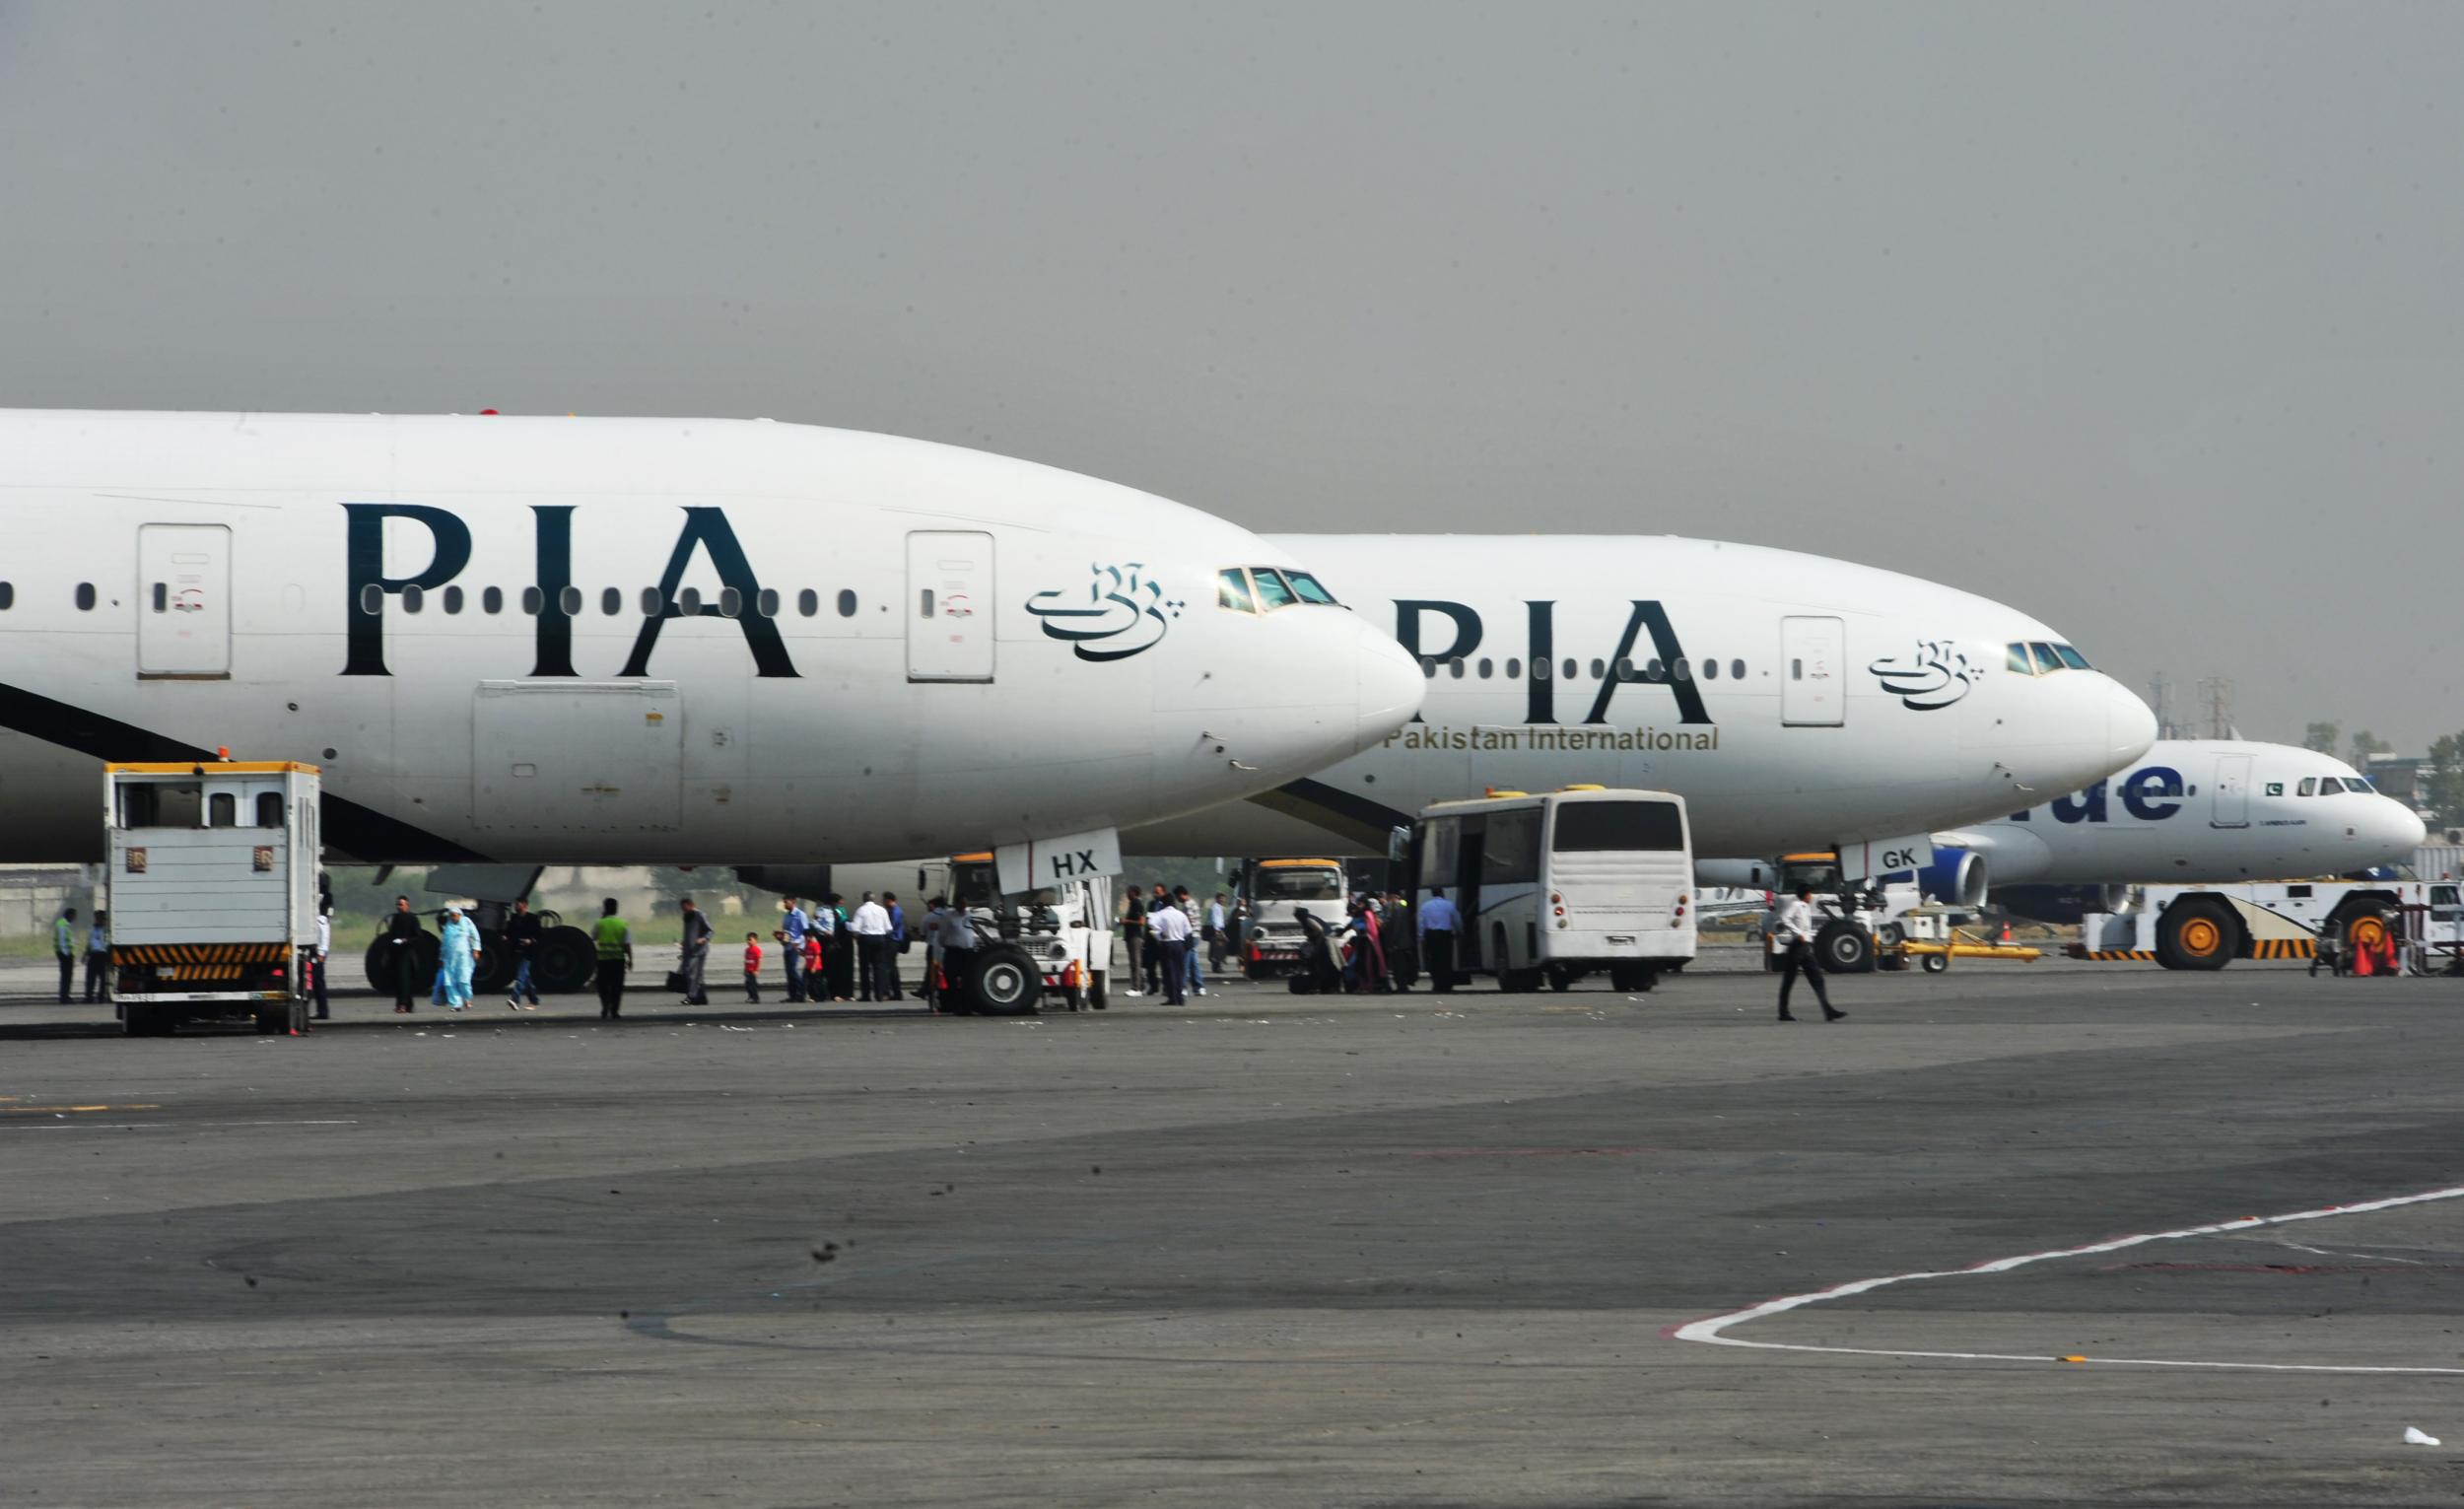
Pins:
x,y
457,953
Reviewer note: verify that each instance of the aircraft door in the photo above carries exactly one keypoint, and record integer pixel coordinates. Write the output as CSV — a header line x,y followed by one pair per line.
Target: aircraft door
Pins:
x,y
2232,792
183,601
949,606
577,758
1813,689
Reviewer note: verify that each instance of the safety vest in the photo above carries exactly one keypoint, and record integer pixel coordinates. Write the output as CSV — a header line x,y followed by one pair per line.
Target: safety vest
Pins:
x,y
610,936
63,935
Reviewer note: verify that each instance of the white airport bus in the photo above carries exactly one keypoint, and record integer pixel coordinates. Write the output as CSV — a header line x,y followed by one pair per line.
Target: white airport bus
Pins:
x,y
1557,886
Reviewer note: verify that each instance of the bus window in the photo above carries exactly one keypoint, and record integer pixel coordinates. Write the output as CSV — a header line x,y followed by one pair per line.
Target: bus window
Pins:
x,y
1439,850
1587,827
222,810
1511,850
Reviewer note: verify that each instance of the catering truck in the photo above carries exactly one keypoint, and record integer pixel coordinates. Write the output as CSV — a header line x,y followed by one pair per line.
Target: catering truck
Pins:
x,y
212,887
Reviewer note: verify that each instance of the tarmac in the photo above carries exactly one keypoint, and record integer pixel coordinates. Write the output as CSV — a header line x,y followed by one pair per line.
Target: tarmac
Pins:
x,y
1264,1249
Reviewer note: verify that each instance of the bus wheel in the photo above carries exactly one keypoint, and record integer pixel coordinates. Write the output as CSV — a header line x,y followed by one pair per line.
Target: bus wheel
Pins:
x,y
2195,934
1001,982
1638,978
1844,948
1560,978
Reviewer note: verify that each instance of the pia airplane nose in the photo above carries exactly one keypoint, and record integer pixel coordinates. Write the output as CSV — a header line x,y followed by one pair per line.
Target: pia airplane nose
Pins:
x,y
1391,687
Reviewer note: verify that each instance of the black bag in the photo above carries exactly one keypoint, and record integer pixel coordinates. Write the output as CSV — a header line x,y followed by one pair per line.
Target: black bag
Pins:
x,y
675,981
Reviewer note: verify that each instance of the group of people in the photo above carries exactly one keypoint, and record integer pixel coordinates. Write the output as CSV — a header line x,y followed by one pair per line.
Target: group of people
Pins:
x,y
829,953
1161,932
98,953
1380,946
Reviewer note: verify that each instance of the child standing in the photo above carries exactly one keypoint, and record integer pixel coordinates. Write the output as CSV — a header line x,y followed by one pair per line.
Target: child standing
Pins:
x,y
813,967
753,968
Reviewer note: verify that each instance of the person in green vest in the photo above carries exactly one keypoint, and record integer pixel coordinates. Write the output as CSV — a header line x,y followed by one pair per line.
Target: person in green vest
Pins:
x,y
614,941
64,943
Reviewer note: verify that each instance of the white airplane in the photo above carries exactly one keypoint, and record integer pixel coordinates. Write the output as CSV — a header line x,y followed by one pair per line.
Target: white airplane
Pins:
x,y
1795,701
2188,810
653,641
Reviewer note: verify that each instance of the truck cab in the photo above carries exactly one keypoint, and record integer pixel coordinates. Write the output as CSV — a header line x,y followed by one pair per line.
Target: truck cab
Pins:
x,y
1278,892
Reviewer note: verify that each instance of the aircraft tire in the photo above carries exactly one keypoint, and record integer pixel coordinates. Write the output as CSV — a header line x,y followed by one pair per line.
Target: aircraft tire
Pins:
x,y
1844,948
2197,934
384,958
563,962
1001,982
495,970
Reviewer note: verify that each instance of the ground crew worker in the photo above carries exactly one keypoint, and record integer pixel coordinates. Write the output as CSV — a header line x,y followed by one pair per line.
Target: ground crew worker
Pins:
x,y
98,956
696,962
1792,930
613,942
324,949
402,942
1439,923
64,943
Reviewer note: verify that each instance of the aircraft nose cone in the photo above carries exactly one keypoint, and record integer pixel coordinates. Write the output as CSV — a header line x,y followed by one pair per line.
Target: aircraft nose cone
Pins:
x,y
1391,687
2130,724
2405,828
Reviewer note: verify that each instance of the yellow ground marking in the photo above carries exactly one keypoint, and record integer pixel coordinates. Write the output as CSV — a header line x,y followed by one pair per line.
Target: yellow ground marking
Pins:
x,y
30,1110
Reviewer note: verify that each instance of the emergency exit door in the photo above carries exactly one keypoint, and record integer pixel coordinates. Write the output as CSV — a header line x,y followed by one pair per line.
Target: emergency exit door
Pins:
x,y
183,601
2232,792
1814,691
949,606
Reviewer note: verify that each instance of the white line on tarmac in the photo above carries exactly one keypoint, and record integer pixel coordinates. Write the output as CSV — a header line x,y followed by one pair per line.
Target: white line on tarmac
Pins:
x,y
1710,1331
65,1126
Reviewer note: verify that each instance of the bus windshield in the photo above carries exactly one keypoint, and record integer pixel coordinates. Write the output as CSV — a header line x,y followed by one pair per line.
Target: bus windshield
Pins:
x,y
1301,883
1590,827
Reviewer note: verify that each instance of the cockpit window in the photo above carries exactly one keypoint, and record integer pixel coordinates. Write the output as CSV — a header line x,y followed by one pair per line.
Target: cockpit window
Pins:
x,y
2035,657
2047,662
2020,662
1310,590
2071,658
2307,788
1232,591
1272,591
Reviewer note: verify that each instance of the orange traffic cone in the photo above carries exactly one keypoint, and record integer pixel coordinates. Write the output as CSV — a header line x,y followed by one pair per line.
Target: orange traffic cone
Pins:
x,y
2006,931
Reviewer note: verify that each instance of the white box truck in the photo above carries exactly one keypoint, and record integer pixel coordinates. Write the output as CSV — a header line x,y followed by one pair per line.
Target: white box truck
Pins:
x,y
212,889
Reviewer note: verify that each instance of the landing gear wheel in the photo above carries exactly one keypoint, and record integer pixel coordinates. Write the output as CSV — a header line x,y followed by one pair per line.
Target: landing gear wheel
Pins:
x,y
2196,934
1001,982
1636,977
385,957
1844,948
495,969
563,962
1560,978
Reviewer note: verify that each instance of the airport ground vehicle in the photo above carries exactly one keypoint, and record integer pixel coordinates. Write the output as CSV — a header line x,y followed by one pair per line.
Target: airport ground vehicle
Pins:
x,y
211,885
1278,892
1052,943
1558,885
2207,926
1863,923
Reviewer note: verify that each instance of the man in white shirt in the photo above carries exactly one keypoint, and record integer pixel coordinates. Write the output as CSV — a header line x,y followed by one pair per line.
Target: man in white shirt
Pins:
x,y
1791,928
871,926
1171,928
324,946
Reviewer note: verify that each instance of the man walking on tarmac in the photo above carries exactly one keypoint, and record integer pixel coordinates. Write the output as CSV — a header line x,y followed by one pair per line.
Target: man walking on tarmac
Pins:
x,y
613,941
695,965
1439,922
1792,932
871,926
402,942
64,943
521,936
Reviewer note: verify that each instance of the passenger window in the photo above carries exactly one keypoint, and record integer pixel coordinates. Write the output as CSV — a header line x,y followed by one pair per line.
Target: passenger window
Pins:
x,y
492,600
570,599
1539,669
1232,591
808,602
1272,591
1736,670
649,603
1309,590
2071,658
2307,788
1711,670
269,809
1655,672
2046,660
533,600
453,599
1624,668
1454,668
731,602
1680,671
85,596
767,605
611,602
413,599
2018,661
222,810
1573,669
1600,670
1486,666
8,596
1514,671
847,603
1428,666
689,603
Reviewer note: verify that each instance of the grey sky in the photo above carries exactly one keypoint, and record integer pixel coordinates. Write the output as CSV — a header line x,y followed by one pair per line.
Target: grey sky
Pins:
x,y
2145,319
